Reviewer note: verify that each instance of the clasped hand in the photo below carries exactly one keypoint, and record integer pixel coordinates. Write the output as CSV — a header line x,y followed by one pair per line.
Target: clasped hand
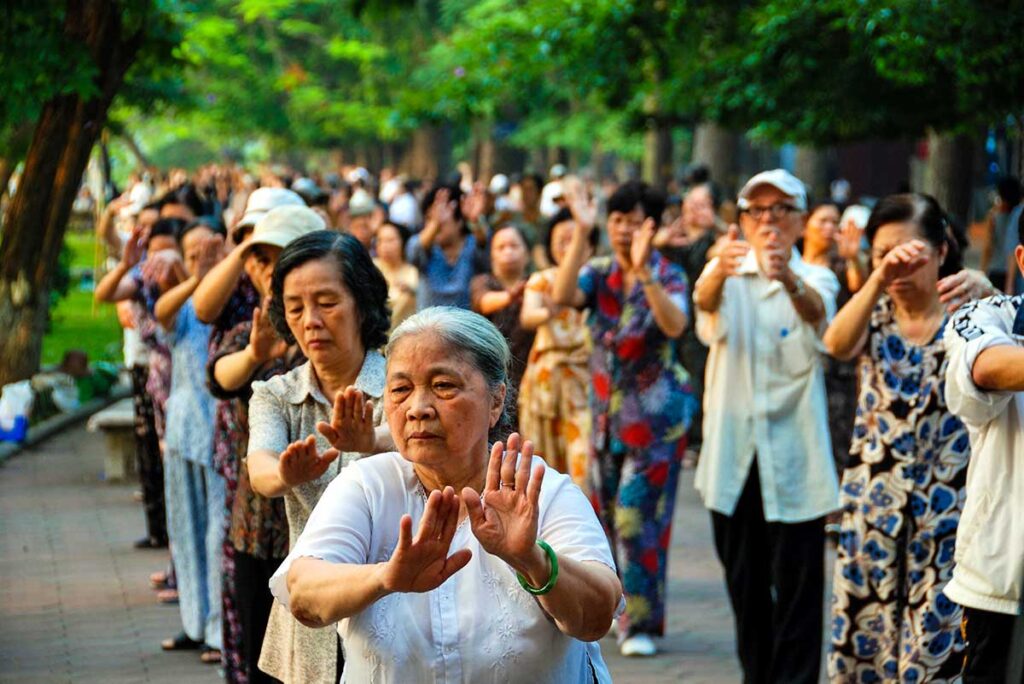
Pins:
x,y
504,521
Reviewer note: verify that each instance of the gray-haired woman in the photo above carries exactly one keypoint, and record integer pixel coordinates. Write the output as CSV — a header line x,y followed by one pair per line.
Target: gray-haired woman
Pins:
x,y
329,298
408,610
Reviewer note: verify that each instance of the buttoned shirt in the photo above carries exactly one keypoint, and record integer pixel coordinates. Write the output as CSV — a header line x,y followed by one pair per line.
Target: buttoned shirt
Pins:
x,y
478,626
990,538
765,396
283,410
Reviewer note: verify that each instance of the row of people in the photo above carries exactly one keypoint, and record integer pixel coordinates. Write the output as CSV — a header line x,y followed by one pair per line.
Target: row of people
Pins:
x,y
766,469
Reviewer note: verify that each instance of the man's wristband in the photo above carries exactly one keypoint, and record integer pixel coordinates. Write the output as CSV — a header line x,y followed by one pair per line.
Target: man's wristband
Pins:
x,y
798,288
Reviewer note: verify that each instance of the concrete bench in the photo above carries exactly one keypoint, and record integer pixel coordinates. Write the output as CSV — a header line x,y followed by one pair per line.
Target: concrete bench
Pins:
x,y
117,423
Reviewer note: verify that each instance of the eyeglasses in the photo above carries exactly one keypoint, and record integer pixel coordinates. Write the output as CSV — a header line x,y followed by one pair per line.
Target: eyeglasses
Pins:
x,y
777,211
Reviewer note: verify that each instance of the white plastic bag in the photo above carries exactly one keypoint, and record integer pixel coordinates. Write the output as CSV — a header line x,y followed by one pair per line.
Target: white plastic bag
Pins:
x,y
15,402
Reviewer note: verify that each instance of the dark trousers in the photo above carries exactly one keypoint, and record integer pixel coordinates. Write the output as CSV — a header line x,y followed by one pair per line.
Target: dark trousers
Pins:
x,y
147,457
988,637
775,574
252,577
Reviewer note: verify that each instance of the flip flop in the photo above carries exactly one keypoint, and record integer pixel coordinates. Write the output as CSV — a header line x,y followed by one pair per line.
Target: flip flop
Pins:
x,y
182,642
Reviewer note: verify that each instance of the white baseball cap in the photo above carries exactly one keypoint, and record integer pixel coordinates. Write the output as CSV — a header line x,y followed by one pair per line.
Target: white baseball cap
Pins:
x,y
263,200
283,224
361,204
781,180
498,185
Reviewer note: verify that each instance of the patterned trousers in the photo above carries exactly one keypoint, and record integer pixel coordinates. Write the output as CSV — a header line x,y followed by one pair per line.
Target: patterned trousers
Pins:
x,y
634,493
195,513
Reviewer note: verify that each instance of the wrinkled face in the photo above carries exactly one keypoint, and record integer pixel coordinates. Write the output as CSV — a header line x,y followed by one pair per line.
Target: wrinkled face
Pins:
x,y
361,228
438,405
389,243
893,235
699,209
508,251
769,232
191,247
622,226
321,313
259,266
561,238
822,226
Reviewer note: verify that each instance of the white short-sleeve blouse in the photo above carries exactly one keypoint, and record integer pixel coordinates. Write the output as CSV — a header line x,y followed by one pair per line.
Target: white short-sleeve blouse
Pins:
x,y
480,625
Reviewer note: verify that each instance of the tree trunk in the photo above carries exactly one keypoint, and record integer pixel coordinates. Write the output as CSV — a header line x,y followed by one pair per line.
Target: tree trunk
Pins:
x,y
812,169
949,172
483,132
34,225
421,158
133,146
717,148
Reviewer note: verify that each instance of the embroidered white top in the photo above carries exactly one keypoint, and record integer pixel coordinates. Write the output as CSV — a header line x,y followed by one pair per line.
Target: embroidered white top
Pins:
x,y
765,394
480,625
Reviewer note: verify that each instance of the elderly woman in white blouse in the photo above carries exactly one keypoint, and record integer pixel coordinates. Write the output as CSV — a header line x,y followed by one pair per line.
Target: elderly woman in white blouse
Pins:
x,y
450,560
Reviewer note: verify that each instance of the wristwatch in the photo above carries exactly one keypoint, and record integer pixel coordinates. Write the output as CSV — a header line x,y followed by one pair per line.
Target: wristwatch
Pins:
x,y
798,289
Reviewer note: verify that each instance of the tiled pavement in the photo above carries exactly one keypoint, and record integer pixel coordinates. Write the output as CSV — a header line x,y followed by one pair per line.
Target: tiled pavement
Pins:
x,y
75,604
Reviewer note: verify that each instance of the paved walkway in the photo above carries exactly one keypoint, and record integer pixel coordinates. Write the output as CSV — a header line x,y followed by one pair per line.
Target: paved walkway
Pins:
x,y
75,602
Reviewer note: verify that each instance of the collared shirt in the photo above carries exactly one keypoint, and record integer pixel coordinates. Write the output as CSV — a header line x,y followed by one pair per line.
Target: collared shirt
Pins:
x,y
765,395
283,410
990,538
480,625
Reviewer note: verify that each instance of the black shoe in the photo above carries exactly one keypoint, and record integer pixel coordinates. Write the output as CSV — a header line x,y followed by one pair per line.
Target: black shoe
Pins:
x,y
150,543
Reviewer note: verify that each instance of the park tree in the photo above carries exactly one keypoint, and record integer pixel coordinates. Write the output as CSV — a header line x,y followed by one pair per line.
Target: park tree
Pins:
x,y
831,72
63,65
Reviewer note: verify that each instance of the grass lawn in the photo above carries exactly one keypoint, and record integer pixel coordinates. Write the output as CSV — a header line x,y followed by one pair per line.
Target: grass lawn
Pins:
x,y
74,324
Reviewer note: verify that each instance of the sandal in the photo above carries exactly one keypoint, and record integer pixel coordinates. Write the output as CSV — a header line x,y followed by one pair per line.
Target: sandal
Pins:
x,y
209,655
182,642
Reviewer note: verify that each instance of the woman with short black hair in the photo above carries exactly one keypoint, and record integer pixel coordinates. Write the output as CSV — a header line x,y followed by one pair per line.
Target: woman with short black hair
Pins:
x,y
308,424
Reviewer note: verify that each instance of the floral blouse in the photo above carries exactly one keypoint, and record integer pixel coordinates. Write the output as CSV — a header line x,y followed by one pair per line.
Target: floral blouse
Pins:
x,y
641,392
258,525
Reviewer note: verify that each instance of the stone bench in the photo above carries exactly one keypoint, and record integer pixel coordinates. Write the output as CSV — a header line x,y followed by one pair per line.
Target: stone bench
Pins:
x,y
117,423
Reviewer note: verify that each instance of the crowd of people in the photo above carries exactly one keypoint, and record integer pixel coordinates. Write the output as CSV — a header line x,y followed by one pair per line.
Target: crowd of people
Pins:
x,y
450,419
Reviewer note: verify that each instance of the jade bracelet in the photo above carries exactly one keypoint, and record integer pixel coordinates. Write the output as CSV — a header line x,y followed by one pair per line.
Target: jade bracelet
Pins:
x,y
550,584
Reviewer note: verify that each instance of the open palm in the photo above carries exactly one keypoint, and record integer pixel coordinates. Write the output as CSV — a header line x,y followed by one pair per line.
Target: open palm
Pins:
x,y
504,519
422,564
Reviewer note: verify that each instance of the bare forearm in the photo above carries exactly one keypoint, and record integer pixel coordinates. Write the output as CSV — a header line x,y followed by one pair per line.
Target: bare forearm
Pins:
x,y
669,317
213,293
534,317
1000,369
235,370
566,289
429,234
856,273
109,287
805,300
170,303
323,593
492,302
845,336
264,474
707,293
584,598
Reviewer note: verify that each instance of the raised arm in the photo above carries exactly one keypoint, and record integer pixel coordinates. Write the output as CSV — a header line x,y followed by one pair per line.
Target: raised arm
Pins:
x,y
585,595
115,285
848,332
707,292
213,293
667,315
999,369
322,593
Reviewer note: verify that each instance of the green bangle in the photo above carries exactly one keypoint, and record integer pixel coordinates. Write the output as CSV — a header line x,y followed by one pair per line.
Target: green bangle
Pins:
x,y
554,572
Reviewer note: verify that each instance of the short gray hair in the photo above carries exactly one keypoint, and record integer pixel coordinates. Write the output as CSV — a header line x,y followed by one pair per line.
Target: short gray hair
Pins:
x,y
474,339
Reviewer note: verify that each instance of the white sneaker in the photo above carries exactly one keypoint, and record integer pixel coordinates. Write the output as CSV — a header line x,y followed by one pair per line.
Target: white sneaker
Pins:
x,y
638,645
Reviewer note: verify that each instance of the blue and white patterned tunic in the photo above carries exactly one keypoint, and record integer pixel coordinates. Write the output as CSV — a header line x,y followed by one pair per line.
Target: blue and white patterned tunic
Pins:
x,y
902,495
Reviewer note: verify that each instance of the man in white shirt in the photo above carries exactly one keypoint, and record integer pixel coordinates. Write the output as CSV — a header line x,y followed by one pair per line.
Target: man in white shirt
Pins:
x,y
765,470
985,389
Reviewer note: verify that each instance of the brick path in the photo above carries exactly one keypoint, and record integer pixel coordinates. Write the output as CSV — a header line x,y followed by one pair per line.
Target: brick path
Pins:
x,y
75,602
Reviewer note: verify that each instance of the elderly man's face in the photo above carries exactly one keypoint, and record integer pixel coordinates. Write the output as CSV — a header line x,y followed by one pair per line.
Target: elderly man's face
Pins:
x,y
322,314
360,227
438,406
779,224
